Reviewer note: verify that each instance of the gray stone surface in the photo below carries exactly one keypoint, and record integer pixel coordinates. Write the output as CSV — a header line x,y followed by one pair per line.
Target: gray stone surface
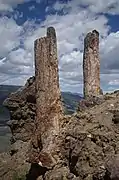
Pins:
x,y
48,96
91,65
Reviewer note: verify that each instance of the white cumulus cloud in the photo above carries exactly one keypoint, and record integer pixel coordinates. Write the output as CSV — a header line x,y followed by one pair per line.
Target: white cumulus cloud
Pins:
x,y
9,5
17,43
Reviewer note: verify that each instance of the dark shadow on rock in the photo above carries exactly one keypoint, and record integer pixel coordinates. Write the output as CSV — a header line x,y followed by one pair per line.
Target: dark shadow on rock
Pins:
x,y
35,171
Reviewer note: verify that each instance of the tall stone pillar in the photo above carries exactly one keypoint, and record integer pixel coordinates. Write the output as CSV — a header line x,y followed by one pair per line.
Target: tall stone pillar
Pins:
x,y
48,96
91,65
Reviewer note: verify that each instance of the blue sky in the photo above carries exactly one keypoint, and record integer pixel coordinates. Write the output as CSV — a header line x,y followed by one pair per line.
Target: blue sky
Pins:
x,y
23,21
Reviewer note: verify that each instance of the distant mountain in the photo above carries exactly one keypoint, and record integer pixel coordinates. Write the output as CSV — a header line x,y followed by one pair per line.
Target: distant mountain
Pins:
x,y
70,100
5,90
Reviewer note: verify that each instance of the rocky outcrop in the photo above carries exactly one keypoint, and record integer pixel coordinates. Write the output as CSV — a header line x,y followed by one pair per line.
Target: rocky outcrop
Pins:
x,y
90,101
48,100
22,107
88,144
90,141
91,65
84,146
15,167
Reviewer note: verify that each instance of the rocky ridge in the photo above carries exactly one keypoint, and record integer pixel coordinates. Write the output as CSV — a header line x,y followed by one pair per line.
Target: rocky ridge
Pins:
x,y
88,143
85,145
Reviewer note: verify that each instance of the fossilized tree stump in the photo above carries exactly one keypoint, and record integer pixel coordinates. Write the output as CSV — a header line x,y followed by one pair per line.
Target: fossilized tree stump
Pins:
x,y
48,96
91,65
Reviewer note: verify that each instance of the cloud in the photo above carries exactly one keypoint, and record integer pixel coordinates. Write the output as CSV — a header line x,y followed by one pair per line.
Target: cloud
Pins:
x,y
39,1
17,44
21,57
71,30
110,53
13,79
18,15
108,6
15,60
9,35
114,82
31,8
8,5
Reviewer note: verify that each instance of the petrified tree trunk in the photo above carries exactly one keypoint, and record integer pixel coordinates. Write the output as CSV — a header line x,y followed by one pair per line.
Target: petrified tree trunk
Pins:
x,y
48,97
91,65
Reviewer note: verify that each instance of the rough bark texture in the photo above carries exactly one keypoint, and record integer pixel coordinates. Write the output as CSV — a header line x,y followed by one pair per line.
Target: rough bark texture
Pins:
x,y
48,96
91,65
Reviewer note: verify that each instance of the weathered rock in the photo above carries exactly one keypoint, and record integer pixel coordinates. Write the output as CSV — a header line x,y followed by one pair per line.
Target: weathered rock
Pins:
x,y
48,96
90,142
59,174
91,65
40,178
89,102
84,146
113,168
21,105
22,113
116,117
15,166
